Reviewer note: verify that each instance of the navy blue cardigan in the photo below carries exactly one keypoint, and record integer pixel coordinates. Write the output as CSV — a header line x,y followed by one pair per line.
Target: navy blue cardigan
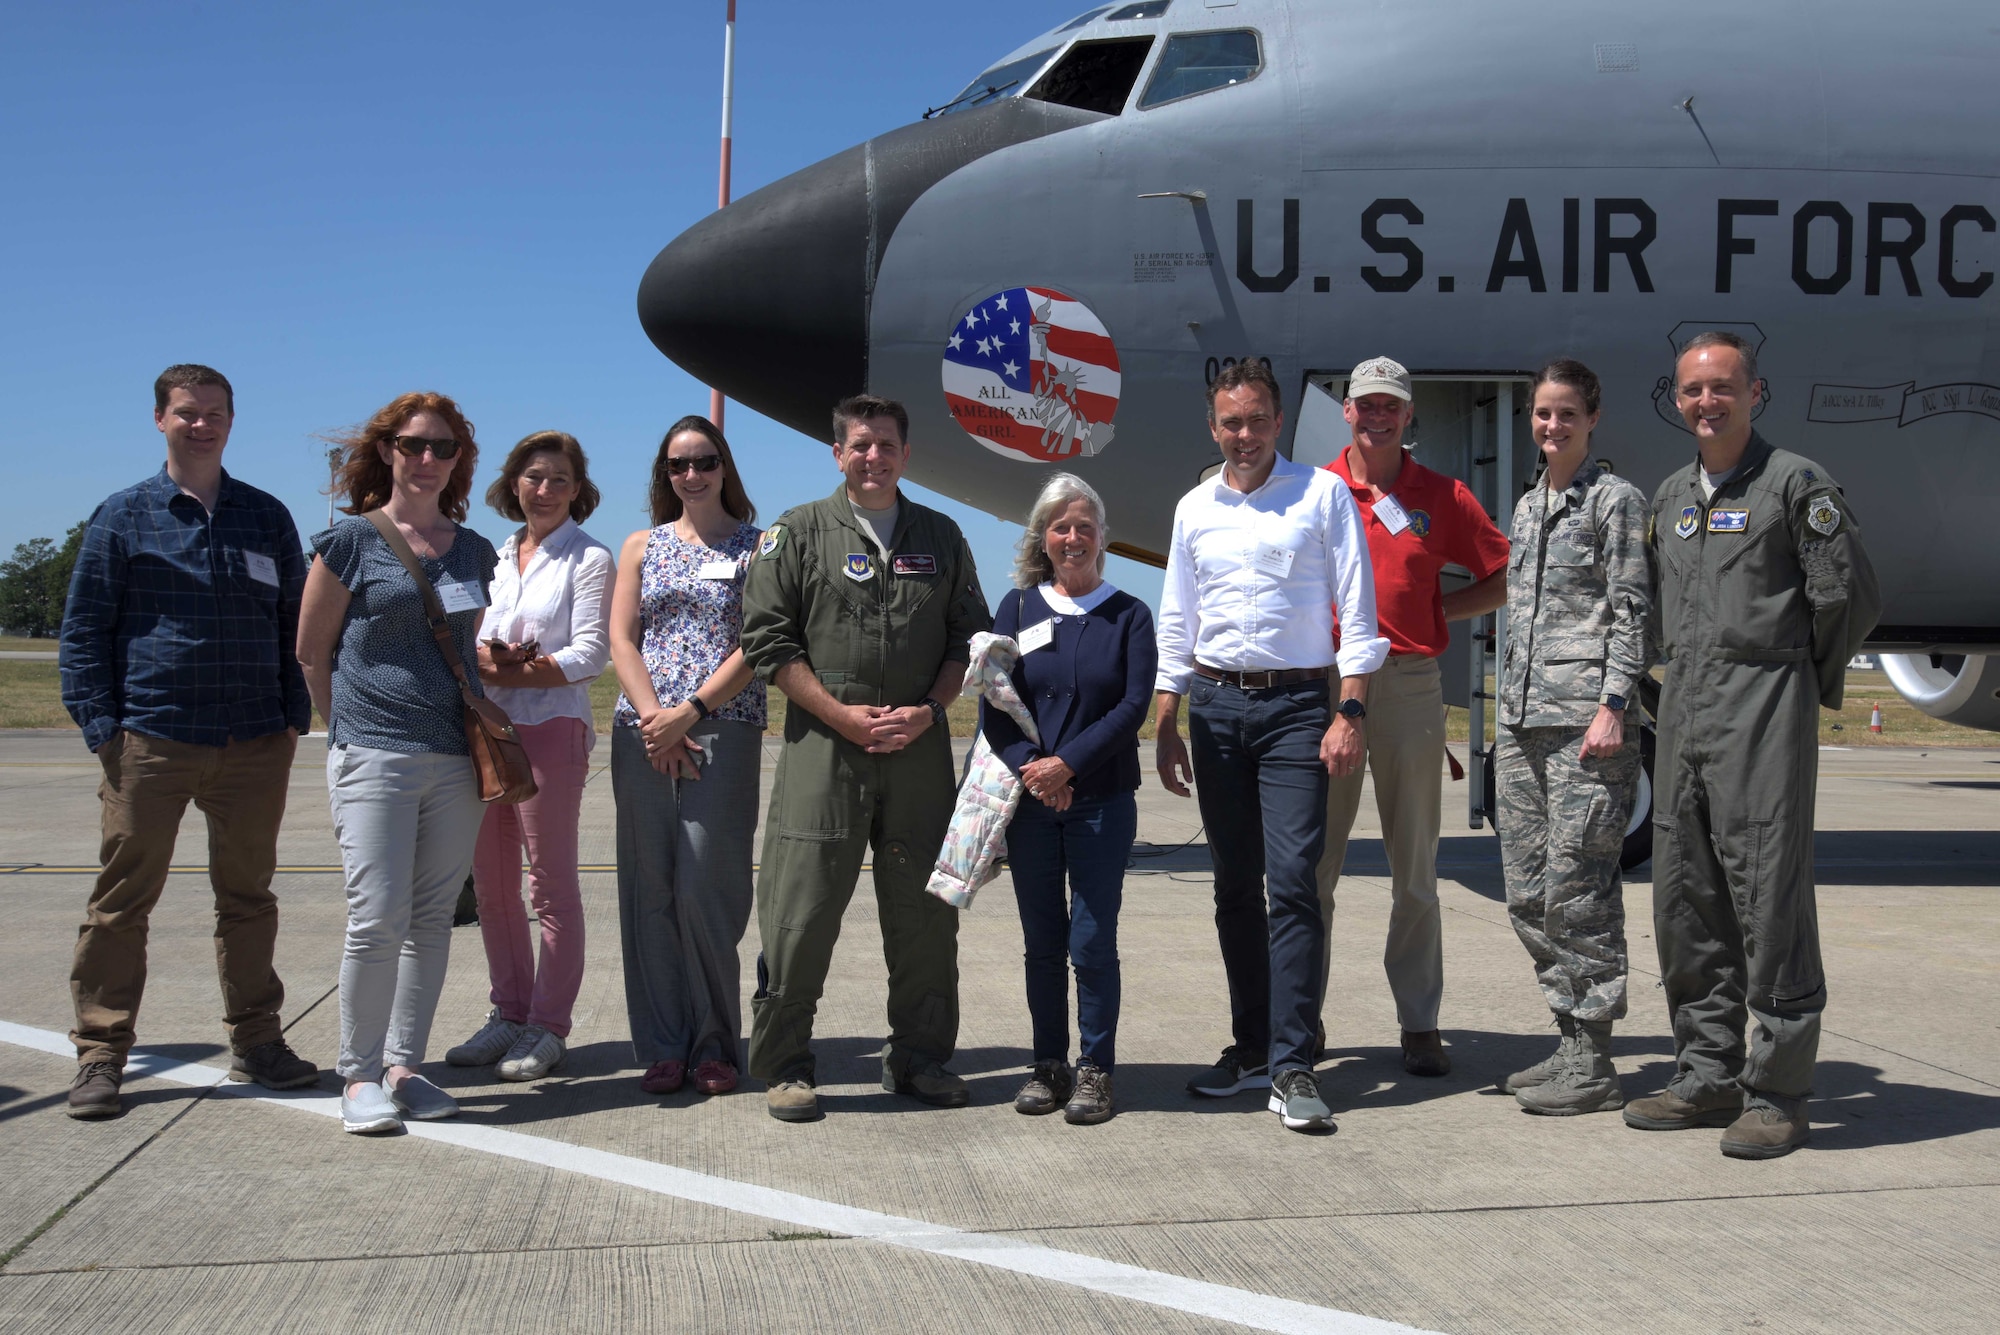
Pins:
x,y
1088,691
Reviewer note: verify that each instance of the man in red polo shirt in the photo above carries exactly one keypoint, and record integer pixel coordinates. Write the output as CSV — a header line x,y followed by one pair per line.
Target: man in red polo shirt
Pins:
x,y
1418,521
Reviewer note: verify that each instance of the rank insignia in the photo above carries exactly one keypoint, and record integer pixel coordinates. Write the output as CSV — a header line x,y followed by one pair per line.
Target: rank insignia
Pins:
x,y
859,567
772,537
914,563
1728,521
1420,523
1688,515
1824,516
1808,475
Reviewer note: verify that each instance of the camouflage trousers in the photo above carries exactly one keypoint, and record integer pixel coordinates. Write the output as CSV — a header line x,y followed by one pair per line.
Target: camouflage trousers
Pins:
x,y
1562,823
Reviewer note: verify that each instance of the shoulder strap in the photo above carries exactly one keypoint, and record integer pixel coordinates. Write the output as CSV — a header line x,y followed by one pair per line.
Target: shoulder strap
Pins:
x,y
433,606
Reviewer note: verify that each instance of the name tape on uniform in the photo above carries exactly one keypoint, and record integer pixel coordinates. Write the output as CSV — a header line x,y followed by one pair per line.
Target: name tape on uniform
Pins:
x,y
1728,521
914,563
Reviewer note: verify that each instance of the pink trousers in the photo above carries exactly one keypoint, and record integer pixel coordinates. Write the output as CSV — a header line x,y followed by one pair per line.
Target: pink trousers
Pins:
x,y
545,825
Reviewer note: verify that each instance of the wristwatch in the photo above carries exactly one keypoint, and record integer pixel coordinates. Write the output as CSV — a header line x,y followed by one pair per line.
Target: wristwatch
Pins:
x,y
1353,709
1616,702
937,710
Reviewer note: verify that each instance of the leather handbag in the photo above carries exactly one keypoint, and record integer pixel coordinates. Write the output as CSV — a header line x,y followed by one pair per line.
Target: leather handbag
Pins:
x,y
498,758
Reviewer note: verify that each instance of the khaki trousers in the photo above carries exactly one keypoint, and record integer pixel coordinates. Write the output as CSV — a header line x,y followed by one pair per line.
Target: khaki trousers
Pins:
x,y
1405,735
148,783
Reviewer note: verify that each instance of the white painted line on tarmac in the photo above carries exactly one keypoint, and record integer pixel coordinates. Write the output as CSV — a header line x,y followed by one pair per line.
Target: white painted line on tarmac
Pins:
x,y
1257,1311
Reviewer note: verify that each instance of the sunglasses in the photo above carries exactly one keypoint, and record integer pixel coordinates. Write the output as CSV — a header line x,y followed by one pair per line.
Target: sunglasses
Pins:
x,y
414,446
700,463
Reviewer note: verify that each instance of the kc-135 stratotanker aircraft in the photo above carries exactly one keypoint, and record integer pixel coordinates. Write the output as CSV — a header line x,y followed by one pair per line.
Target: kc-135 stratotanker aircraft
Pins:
x,y
1049,267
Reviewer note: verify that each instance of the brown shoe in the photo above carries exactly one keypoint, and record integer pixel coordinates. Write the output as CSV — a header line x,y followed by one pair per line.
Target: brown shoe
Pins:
x,y
1048,1088
792,1101
1668,1111
94,1092
1091,1103
1763,1132
1424,1054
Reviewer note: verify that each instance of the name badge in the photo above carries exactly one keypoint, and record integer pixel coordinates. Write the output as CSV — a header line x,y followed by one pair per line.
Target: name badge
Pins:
x,y
1038,636
1273,559
716,570
1389,512
915,563
461,597
262,568
1728,521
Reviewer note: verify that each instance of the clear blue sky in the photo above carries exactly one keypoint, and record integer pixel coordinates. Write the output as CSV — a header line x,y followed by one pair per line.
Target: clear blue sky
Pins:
x,y
334,204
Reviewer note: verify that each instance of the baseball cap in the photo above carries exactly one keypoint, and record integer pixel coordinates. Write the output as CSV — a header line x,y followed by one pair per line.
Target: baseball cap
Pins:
x,y
1379,375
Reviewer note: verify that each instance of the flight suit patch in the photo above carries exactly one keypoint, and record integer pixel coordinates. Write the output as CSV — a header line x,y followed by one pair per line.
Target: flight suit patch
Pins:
x,y
1728,521
1420,523
1688,516
860,567
1824,516
914,563
773,536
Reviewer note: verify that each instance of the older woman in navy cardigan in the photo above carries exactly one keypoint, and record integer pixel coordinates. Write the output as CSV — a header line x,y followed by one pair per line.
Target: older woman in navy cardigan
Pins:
x,y
1086,675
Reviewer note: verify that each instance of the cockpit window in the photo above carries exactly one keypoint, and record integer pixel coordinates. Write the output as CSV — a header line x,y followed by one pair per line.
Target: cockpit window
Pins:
x,y
1083,18
1146,9
1095,76
1000,81
1200,62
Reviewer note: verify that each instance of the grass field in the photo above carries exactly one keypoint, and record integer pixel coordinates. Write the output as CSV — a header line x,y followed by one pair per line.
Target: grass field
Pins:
x,y
31,697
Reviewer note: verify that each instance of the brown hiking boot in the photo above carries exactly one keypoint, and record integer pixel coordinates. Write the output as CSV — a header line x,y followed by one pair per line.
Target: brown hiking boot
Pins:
x,y
1424,1054
1764,1132
1048,1088
94,1092
1668,1111
1092,1102
792,1101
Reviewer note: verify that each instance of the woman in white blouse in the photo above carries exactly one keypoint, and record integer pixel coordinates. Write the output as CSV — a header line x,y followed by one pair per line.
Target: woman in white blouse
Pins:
x,y
544,638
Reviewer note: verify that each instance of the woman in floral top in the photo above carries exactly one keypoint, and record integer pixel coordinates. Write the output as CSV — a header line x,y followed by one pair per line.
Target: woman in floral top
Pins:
x,y
685,753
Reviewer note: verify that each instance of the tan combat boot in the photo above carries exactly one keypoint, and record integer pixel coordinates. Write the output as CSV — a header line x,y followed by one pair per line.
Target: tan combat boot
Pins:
x,y
1547,1068
1588,1084
1668,1111
1765,1132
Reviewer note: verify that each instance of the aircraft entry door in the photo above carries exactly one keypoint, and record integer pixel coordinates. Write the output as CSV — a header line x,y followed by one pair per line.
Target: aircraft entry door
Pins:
x,y
1473,428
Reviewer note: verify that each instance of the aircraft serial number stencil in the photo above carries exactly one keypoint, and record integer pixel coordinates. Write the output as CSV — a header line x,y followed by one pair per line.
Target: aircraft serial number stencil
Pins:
x,y
1031,373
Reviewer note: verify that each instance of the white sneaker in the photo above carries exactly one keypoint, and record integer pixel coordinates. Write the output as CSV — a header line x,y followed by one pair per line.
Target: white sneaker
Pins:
x,y
487,1046
535,1053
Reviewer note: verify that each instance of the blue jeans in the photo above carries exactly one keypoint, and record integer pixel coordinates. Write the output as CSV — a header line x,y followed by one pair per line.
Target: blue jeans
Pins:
x,y
1073,926
1262,791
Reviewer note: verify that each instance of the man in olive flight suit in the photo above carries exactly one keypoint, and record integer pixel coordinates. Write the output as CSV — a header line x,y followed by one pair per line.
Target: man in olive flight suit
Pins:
x,y
1764,594
859,608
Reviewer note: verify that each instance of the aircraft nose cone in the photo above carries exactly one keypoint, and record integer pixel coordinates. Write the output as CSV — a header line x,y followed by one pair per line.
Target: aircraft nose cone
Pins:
x,y
767,298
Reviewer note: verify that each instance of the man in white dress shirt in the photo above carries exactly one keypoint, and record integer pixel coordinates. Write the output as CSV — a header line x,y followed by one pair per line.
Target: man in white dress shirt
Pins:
x,y
1260,557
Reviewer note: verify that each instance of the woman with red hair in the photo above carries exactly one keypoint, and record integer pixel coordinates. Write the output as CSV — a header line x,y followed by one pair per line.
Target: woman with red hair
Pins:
x,y
405,801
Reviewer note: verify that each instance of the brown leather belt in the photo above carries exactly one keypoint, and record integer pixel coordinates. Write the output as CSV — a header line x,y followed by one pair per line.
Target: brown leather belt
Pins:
x,y
1259,680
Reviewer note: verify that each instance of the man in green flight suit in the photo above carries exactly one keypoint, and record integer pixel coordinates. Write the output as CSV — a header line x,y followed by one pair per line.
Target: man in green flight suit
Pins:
x,y
859,608
1764,594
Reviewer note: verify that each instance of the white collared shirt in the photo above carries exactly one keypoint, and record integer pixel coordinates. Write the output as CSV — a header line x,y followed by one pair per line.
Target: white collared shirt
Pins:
x,y
563,600
1253,578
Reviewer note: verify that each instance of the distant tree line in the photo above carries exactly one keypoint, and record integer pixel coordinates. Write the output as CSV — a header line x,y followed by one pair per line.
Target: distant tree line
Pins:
x,y
34,584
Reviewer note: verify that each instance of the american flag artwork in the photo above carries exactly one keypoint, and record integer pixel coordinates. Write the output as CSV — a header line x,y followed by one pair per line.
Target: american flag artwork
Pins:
x,y
1032,373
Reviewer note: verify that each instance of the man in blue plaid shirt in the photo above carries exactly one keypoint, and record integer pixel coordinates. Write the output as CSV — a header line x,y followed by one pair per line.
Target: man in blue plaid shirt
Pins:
x,y
178,662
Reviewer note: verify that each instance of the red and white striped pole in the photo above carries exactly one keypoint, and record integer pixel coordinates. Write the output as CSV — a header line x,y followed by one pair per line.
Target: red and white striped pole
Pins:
x,y
715,399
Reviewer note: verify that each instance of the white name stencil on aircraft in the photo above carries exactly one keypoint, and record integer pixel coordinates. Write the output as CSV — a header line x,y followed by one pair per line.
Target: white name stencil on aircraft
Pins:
x,y
1031,373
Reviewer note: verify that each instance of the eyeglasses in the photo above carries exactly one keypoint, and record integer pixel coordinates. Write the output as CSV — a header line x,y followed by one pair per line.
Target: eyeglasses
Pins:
x,y
700,463
414,446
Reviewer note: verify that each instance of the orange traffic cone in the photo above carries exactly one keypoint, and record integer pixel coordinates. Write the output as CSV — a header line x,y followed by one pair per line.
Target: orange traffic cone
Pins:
x,y
1875,719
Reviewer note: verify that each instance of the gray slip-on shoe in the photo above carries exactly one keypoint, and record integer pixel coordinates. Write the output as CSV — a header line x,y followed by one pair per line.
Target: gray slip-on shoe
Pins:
x,y
367,1110
421,1101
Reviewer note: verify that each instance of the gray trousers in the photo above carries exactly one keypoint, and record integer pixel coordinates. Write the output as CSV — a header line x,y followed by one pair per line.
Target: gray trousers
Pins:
x,y
406,822
1562,825
684,892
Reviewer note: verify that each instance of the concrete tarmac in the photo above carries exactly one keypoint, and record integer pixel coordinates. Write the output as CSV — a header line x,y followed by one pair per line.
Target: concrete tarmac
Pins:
x,y
578,1203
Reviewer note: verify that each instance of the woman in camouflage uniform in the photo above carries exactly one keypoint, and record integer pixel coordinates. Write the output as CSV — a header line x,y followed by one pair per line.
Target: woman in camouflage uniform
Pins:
x,y
1566,765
